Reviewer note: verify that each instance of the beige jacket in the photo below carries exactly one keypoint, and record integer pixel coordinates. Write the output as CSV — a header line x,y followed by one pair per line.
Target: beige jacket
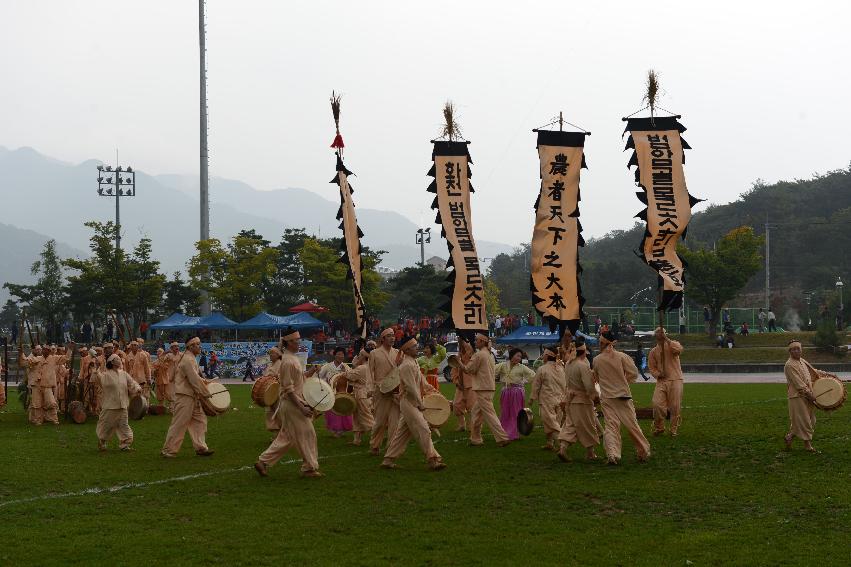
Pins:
x,y
672,370
482,369
117,387
614,371
188,380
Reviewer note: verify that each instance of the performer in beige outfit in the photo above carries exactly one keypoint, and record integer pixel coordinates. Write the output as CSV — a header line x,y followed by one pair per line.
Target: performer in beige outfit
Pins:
x,y
42,383
189,388
549,390
382,361
668,395
169,367
139,367
799,390
360,378
117,387
273,418
465,397
297,430
481,368
412,423
614,371
580,418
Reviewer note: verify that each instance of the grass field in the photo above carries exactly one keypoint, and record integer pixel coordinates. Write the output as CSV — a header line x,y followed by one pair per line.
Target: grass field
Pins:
x,y
723,492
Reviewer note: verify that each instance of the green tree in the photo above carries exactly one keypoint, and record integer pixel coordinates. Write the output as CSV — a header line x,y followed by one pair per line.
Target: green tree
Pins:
x,y
47,297
104,281
233,275
715,276
510,273
10,315
416,291
325,279
179,296
492,293
146,284
285,287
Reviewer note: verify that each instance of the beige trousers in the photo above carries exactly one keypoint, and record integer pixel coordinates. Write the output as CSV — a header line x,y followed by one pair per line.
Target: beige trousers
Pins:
x,y
43,406
668,396
580,424
411,424
363,420
464,400
621,413
114,421
297,433
551,416
273,421
187,417
484,413
386,418
802,418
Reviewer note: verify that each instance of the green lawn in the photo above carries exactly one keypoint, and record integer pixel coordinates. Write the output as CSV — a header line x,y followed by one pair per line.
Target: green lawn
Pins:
x,y
722,493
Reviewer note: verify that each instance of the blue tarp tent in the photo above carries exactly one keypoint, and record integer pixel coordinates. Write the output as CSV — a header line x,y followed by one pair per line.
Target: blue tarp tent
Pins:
x,y
264,321
538,336
267,321
304,321
215,321
175,321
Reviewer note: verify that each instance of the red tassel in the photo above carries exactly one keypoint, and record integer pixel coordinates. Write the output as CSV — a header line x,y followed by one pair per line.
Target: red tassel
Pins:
x,y
338,142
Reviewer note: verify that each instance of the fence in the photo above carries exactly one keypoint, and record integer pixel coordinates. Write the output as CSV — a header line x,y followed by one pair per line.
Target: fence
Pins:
x,y
645,318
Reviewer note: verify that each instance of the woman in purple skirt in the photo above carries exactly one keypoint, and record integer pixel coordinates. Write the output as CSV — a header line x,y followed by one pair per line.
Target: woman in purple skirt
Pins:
x,y
337,424
513,374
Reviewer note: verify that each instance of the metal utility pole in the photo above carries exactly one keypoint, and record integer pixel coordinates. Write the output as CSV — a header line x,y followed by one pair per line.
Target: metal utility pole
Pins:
x,y
423,238
204,173
116,183
767,266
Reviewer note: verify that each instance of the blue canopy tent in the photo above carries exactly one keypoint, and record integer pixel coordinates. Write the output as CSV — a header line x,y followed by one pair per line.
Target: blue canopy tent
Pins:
x,y
539,336
174,322
215,320
304,321
265,321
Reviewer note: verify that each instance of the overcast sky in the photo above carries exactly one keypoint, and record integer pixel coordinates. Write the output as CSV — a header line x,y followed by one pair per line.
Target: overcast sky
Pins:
x,y
763,88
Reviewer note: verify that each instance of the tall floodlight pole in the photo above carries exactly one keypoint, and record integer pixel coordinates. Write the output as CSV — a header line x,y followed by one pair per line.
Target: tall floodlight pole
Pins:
x,y
205,175
423,238
116,183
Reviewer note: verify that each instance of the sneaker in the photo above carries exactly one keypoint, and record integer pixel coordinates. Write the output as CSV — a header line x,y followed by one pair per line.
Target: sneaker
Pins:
x,y
204,453
389,465
374,451
562,456
168,456
437,466
506,443
312,474
261,468
128,449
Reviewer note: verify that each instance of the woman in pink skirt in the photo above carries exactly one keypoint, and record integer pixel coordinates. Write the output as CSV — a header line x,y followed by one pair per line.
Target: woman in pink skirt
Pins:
x,y
513,374
337,424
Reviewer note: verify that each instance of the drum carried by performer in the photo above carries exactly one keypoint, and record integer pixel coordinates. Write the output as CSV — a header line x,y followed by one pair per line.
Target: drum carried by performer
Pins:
x,y
266,390
808,388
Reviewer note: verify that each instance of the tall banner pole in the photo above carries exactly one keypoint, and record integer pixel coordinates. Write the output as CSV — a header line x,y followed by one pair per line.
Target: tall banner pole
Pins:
x,y
351,246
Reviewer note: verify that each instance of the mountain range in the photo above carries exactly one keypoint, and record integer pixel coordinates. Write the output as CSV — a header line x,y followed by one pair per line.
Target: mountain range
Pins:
x,y
54,199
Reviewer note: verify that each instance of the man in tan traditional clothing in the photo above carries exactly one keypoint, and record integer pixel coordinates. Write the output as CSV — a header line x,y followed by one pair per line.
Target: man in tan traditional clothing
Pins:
x,y
360,377
189,388
118,387
668,396
34,367
580,418
465,396
614,371
382,361
273,417
297,430
412,423
549,390
170,360
799,390
481,368
138,365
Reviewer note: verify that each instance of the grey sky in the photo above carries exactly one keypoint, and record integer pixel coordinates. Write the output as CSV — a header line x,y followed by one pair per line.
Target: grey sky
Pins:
x,y
762,87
